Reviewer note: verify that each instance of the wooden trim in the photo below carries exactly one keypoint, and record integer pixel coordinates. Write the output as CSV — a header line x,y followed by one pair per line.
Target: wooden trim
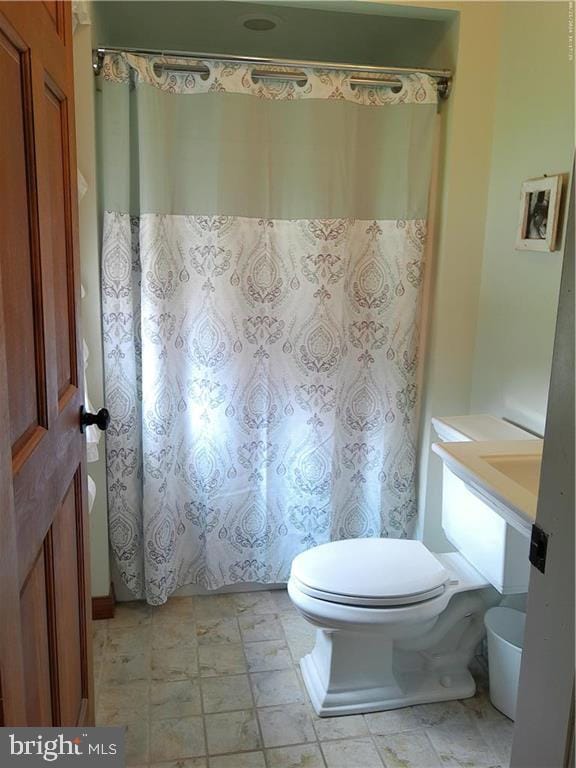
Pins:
x,y
83,715
48,550
104,605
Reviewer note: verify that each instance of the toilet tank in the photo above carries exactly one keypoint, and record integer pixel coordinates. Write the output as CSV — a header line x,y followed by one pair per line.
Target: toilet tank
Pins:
x,y
494,547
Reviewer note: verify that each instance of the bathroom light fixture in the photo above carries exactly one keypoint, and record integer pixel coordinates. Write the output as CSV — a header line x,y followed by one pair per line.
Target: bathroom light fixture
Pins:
x,y
259,22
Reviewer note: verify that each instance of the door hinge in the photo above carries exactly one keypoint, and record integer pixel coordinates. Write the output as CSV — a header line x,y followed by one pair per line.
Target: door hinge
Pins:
x,y
538,548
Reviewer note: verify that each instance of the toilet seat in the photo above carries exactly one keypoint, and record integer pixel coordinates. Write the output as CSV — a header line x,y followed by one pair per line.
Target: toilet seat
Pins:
x,y
396,601
377,573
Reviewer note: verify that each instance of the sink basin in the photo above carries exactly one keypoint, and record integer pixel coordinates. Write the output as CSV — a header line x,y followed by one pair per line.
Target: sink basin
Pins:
x,y
524,470
504,473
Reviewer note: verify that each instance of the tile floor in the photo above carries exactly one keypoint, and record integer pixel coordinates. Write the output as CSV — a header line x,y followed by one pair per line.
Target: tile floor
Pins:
x,y
213,682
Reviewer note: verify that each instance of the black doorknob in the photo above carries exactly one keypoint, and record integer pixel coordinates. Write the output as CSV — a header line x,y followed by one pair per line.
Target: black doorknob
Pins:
x,y
100,419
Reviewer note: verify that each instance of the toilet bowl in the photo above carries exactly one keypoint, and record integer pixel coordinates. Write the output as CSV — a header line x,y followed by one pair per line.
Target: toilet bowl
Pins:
x,y
398,625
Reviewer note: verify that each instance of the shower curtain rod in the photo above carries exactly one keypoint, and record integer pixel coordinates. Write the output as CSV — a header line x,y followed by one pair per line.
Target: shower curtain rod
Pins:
x,y
443,77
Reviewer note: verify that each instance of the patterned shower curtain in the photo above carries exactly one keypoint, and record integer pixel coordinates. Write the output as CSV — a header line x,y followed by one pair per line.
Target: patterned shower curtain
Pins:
x,y
261,270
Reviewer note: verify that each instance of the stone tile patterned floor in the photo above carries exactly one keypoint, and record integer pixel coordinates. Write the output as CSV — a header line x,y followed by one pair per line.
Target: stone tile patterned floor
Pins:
x,y
213,682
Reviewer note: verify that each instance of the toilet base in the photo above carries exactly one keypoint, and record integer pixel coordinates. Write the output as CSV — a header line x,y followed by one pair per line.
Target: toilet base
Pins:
x,y
428,689
348,674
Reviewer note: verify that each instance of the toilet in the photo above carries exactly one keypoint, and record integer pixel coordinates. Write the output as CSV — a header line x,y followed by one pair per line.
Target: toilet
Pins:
x,y
397,624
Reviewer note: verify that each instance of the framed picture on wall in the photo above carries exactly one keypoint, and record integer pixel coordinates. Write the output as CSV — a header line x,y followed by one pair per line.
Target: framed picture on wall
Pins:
x,y
539,208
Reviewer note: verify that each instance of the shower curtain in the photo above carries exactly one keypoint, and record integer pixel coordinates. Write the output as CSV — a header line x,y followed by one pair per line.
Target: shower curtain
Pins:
x,y
262,263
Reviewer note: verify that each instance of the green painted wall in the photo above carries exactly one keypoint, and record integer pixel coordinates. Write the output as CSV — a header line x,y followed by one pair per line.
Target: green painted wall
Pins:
x,y
457,223
533,136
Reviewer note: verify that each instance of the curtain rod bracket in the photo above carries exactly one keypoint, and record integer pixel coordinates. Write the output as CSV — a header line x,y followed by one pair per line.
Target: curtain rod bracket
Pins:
x,y
444,86
98,60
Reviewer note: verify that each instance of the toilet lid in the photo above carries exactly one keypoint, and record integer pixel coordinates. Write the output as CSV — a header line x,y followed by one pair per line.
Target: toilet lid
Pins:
x,y
370,572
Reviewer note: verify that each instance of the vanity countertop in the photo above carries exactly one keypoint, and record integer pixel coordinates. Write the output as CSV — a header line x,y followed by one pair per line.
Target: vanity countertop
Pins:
x,y
504,472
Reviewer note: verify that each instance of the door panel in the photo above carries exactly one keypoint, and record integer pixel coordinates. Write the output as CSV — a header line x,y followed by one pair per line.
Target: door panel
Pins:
x,y
20,268
68,604
35,639
55,10
45,649
56,134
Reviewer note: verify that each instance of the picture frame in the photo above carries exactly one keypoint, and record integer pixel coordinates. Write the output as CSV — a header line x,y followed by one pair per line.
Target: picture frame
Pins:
x,y
539,211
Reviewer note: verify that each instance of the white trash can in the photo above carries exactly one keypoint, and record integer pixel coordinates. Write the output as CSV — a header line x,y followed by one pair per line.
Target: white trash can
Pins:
x,y
505,628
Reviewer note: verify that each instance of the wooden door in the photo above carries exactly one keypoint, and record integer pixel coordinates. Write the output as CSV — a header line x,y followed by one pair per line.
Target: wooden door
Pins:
x,y
45,649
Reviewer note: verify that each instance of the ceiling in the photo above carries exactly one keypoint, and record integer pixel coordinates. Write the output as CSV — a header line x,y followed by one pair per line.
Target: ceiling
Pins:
x,y
331,30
